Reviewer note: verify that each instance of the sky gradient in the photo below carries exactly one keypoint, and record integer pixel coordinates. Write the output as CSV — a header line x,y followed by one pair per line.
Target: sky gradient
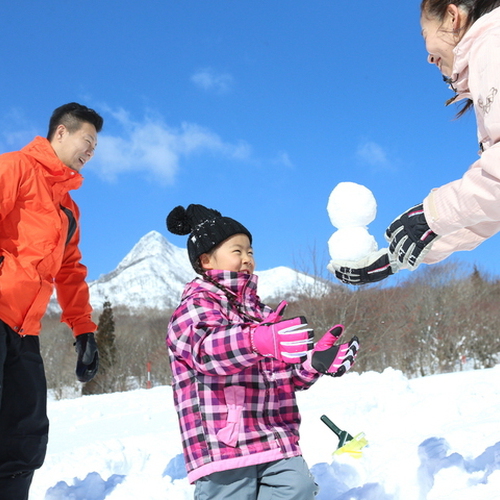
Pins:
x,y
257,109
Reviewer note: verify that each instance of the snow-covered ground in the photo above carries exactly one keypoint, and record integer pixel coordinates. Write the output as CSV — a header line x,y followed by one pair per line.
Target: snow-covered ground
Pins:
x,y
434,438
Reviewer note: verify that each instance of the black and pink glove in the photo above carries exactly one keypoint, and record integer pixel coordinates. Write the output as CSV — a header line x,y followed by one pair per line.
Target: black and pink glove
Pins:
x,y
410,237
278,314
288,340
375,267
331,359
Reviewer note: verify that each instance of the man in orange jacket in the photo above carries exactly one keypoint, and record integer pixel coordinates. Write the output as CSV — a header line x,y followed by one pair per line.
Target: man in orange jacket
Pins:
x,y
39,236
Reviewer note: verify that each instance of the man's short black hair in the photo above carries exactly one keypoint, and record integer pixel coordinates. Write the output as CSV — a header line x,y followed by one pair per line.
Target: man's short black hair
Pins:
x,y
72,115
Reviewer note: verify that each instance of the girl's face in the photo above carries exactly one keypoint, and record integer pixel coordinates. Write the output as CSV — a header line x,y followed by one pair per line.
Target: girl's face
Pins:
x,y
234,254
441,37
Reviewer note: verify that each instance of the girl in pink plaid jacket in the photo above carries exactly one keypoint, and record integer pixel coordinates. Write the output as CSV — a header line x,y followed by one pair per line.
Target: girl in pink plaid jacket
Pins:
x,y
236,365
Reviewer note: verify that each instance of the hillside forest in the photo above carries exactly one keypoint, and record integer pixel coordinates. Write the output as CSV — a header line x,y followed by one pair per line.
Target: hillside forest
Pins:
x,y
440,319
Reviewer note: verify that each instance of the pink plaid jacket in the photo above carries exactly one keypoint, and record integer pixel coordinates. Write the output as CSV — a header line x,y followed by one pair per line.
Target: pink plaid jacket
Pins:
x,y
235,407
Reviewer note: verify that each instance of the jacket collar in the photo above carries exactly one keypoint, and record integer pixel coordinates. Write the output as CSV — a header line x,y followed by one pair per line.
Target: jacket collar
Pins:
x,y
53,169
242,285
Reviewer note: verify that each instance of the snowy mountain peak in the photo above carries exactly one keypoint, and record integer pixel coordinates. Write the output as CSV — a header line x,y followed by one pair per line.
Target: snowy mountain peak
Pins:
x,y
151,245
153,275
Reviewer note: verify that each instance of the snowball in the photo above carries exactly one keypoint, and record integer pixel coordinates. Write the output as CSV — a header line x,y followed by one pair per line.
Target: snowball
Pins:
x,y
351,205
351,243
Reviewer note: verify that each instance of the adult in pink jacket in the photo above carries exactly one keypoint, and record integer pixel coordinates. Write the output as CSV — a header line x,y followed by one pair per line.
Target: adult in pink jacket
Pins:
x,y
39,236
462,39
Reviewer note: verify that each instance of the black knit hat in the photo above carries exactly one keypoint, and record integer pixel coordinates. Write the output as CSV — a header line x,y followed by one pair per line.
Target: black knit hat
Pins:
x,y
206,228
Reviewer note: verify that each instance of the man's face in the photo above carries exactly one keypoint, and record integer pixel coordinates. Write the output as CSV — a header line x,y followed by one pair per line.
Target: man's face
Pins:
x,y
75,149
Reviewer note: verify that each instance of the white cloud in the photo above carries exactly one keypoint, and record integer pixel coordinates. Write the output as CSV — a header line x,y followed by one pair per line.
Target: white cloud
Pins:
x,y
16,131
373,154
209,80
283,158
155,148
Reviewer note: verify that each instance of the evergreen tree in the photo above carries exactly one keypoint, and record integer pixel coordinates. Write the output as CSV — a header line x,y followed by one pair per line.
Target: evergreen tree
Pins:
x,y
476,278
103,382
105,337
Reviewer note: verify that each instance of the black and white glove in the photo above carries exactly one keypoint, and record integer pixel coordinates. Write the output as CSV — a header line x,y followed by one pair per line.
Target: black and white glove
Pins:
x,y
87,362
410,238
375,267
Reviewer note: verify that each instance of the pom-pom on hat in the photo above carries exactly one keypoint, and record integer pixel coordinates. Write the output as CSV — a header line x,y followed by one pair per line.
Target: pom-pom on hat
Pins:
x,y
207,228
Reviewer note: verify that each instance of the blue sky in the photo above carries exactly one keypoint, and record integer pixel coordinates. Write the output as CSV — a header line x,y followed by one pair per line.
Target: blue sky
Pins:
x,y
255,108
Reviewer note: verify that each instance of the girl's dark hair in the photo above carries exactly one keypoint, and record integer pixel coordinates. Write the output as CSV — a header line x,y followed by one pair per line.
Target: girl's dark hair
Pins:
x,y
474,8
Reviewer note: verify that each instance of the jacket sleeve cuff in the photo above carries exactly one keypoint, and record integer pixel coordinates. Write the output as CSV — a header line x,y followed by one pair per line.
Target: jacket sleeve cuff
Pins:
x,y
307,364
87,327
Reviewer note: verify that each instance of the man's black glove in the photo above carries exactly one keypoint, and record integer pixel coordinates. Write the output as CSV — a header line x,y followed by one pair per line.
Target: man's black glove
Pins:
x,y
375,267
410,238
87,362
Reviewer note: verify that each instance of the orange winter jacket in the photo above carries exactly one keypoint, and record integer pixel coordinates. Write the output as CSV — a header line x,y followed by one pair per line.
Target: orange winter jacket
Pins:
x,y
39,238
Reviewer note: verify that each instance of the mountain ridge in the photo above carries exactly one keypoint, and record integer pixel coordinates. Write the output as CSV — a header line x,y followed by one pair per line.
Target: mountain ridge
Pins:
x,y
153,275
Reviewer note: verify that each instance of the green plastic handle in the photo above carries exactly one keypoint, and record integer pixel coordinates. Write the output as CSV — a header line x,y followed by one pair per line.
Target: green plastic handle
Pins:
x,y
343,436
331,425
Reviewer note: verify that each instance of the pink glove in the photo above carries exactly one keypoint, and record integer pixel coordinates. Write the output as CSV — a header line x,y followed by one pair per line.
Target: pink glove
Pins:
x,y
333,359
277,315
287,340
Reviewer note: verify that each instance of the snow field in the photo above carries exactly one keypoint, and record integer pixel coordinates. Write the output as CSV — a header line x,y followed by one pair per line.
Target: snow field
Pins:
x,y
126,440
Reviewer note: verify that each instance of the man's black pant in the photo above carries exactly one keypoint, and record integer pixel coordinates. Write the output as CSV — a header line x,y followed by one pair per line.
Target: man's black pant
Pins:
x,y
24,425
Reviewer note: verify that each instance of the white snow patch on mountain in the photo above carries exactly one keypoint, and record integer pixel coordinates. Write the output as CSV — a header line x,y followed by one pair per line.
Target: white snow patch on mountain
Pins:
x,y
154,273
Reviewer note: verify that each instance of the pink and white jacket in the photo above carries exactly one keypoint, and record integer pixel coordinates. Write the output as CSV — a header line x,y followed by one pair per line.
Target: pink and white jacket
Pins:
x,y
466,212
235,407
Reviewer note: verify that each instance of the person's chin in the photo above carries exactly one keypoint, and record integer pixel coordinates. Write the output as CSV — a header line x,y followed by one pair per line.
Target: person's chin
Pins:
x,y
75,168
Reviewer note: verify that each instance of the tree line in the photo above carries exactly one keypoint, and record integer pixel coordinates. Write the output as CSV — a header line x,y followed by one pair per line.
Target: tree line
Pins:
x,y
440,319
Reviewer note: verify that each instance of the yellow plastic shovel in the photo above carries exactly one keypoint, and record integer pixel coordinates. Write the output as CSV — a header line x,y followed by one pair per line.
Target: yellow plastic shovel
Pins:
x,y
347,443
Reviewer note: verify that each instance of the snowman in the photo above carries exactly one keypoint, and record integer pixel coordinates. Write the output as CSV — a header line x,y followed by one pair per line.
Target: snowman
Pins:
x,y
351,207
